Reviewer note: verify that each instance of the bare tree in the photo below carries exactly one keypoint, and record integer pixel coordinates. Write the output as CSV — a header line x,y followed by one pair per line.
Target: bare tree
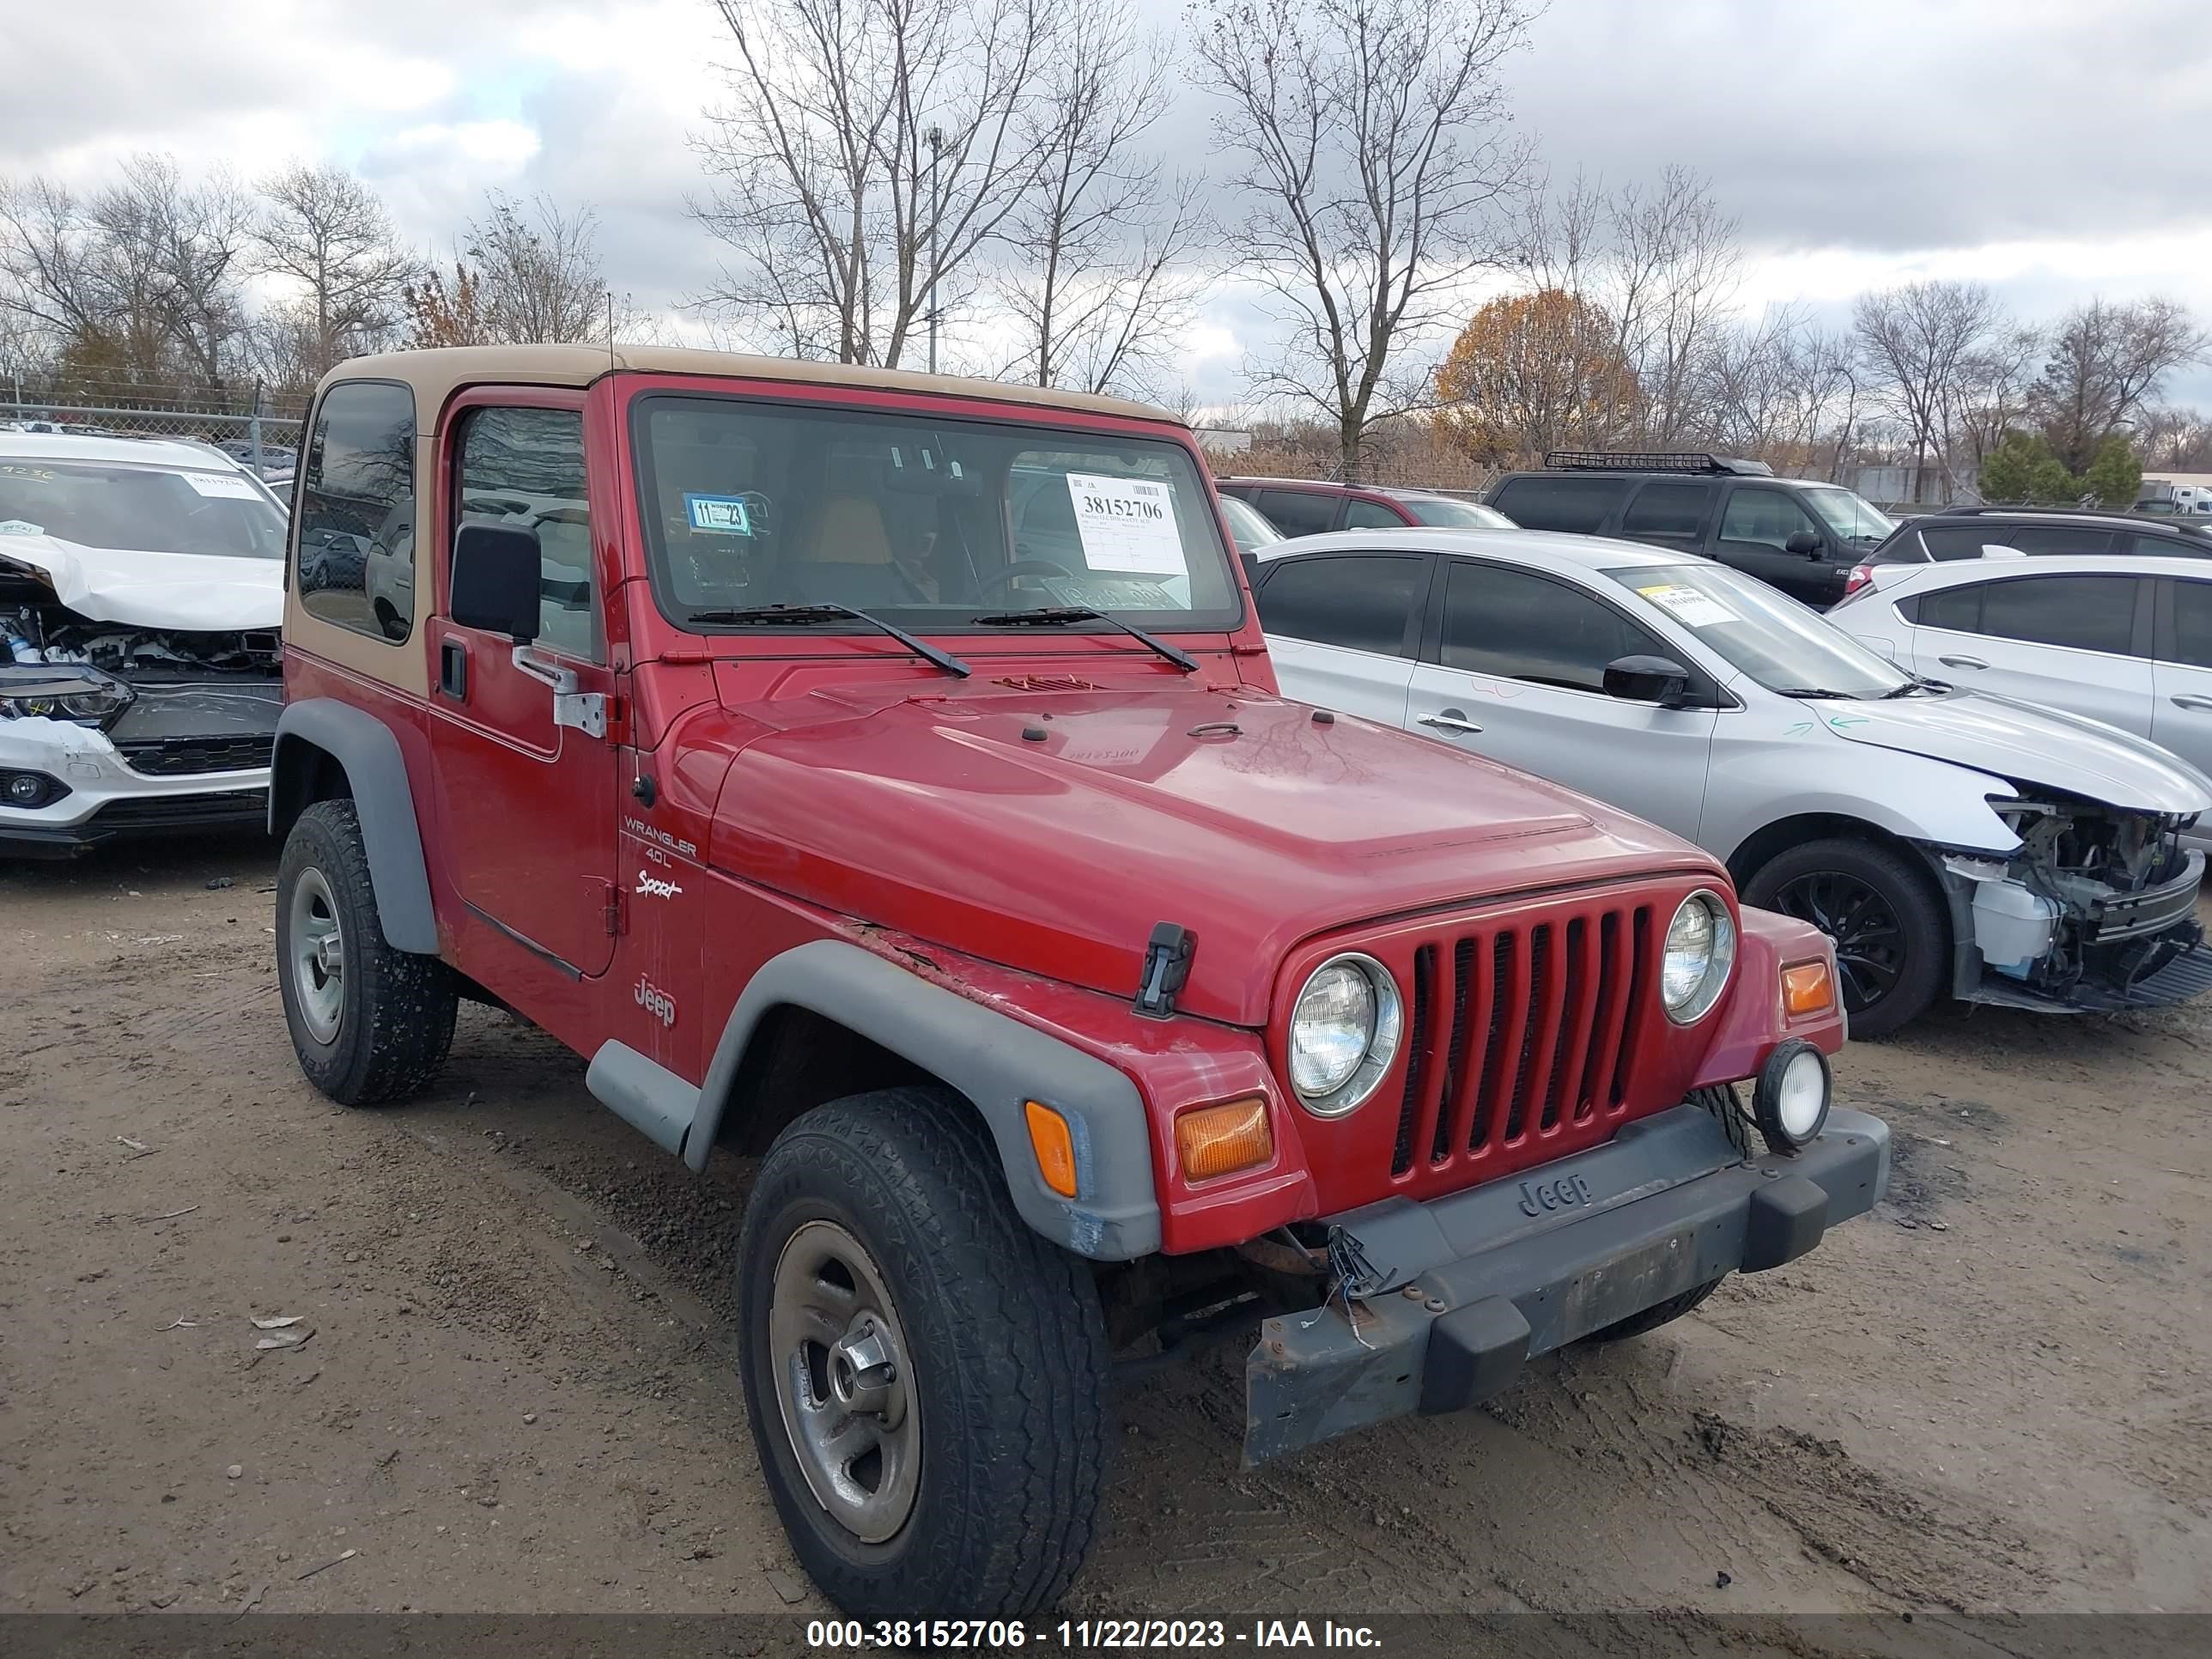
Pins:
x,y
1101,266
1373,153
2107,361
1781,390
326,231
537,275
1918,343
2174,440
1997,383
870,151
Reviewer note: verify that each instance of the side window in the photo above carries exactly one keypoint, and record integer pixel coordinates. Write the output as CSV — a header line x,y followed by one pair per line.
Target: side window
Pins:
x,y
356,506
1565,501
1961,541
2192,624
1668,509
2060,538
2088,613
1361,602
1520,627
525,467
2167,547
1299,512
1958,609
1765,518
1366,515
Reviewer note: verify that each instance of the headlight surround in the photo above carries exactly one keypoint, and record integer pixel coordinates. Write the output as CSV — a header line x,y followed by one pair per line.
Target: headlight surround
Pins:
x,y
1699,953
84,695
1345,1029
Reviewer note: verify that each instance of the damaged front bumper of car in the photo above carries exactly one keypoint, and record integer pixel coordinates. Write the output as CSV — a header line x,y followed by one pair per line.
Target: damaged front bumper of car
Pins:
x,y
2096,912
1458,1293
86,756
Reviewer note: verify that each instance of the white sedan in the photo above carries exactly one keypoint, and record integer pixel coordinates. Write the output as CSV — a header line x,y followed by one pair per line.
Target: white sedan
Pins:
x,y
1948,842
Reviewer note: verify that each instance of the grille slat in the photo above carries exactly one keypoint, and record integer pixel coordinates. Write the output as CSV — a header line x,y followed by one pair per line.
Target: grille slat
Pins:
x,y
1518,1034
182,756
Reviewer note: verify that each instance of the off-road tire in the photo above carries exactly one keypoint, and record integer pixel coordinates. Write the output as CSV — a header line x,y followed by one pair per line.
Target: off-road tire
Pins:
x,y
1727,1111
1007,1348
396,1018
1913,898
1658,1314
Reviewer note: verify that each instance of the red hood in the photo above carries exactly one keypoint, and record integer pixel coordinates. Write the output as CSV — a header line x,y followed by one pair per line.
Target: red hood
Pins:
x,y
931,813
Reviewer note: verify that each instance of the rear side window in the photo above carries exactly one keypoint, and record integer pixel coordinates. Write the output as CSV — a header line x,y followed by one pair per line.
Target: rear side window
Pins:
x,y
2169,547
1565,502
1368,515
2084,613
2059,538
357,510
1668,509
2192,624
1955,541
525,467
1299,512
1363,602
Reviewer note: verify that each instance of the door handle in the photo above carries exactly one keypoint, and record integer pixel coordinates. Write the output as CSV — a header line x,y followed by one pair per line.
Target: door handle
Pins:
x,y
453,668
1450,719
1962,662
2191,700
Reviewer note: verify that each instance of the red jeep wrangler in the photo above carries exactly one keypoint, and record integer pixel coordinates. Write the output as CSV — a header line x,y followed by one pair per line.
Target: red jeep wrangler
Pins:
x,y
884,775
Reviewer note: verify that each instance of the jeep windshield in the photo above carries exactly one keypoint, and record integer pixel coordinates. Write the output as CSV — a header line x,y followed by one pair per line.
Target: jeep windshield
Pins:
x,y
923,522
139,509
1769,637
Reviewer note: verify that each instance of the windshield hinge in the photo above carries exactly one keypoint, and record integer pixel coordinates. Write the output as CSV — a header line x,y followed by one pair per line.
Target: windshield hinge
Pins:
x,y
1167,965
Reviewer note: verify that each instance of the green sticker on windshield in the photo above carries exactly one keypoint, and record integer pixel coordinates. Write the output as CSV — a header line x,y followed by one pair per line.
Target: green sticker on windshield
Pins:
x,y
20,527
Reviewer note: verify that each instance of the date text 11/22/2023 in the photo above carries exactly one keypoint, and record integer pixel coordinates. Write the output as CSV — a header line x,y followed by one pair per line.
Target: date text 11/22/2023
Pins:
x,y
990,1634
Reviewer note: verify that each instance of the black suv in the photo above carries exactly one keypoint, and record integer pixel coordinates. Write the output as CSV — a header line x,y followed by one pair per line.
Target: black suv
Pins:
x,y
1961,532
1800,537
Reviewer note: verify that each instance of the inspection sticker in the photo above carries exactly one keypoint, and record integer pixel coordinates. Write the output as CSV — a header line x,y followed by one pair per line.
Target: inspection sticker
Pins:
x,y
1127,525
719,515
222,486
1688,606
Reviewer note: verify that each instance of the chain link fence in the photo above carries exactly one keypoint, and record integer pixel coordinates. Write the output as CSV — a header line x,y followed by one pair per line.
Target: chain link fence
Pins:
x,y
268,440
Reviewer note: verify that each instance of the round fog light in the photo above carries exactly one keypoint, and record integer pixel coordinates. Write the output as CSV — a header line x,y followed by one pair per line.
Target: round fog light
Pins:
x,y
25,788
1789,1102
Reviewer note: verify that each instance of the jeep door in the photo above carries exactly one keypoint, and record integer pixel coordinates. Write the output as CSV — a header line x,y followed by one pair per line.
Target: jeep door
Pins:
x,y
525,800
1513,667
1342,628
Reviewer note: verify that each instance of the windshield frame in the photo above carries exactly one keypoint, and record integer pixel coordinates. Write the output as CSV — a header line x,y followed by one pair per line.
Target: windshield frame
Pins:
x,y
1816,493
1769,606
260,496
1076,429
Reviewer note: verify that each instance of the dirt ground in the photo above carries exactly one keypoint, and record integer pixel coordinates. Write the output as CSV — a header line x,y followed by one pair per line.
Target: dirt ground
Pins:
x,y
517,1390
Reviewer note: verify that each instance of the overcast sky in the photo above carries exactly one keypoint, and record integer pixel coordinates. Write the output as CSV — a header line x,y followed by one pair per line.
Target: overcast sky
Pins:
x,y
2052,148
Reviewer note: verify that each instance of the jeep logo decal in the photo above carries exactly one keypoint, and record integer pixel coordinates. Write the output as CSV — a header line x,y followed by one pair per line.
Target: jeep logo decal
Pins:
x,y
658,1003
1564,1193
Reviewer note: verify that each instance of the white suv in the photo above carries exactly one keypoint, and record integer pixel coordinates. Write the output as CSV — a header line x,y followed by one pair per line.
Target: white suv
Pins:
x,y
141,592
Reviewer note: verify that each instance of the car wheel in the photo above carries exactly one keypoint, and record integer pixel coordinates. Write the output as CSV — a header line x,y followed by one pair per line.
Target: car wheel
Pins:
x,y
1658,1314
1882,914
926,1376
370,1023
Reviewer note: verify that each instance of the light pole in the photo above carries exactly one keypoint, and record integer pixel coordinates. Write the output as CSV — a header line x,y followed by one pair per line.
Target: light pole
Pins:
x,y
935,139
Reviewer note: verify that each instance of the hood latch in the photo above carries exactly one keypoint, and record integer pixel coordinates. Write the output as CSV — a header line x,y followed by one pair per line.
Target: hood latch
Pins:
x,y
1167,965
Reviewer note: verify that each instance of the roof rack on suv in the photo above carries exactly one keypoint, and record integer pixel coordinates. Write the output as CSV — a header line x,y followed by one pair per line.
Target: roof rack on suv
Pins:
x,y
1597,460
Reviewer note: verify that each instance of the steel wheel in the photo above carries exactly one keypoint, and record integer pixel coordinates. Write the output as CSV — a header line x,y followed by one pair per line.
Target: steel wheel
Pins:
x,y
1859,922
842,1382
318,956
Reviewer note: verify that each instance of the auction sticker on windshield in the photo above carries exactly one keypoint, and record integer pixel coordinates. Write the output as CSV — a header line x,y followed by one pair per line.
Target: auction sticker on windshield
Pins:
x,y
222,486
719,515
1688,606
1127,525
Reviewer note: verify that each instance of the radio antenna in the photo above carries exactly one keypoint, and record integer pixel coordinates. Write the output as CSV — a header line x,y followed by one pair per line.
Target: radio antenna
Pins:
x,y
610,328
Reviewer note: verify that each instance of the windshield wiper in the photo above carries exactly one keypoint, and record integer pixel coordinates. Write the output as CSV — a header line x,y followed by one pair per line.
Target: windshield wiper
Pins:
x,y
1916,684
1051,616
802,616
1813,691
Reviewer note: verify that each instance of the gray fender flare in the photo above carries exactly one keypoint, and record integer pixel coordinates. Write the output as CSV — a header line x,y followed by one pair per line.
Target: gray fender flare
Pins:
x,y
376,772
996,1061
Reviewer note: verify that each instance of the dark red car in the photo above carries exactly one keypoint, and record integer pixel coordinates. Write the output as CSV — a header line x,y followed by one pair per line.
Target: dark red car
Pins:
x,y
1299,506
884,777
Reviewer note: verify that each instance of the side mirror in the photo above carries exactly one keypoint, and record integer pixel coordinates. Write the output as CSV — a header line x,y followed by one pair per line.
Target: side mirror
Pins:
x,y
1648,679
496,574
1805,543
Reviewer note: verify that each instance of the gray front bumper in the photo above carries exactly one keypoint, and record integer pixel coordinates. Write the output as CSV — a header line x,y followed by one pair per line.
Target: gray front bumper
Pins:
x,y
1466,1287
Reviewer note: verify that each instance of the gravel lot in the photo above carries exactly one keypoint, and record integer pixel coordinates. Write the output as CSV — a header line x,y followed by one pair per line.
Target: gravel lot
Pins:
x,y
517,1392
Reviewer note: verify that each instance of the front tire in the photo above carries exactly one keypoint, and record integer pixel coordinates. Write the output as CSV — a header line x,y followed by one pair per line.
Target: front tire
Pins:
x,y
1883,914
926,1376
370,1023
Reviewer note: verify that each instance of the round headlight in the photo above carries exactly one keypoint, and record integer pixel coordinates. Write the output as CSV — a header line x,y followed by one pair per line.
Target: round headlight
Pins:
x,y
1700,951
1345,1030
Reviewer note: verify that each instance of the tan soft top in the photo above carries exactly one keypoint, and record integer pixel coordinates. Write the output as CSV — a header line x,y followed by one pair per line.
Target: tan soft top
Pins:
x,y
436,374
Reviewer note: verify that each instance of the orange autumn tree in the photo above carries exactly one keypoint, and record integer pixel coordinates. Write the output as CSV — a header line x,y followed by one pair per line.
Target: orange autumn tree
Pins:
x,y
1532,373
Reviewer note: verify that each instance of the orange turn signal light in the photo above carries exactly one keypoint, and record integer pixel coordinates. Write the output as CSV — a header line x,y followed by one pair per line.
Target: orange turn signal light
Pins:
x,y
1807,988
1054,1145
1219,1140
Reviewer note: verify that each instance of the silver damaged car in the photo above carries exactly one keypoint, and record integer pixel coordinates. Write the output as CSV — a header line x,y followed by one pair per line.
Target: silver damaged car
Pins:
x,y
1948,842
